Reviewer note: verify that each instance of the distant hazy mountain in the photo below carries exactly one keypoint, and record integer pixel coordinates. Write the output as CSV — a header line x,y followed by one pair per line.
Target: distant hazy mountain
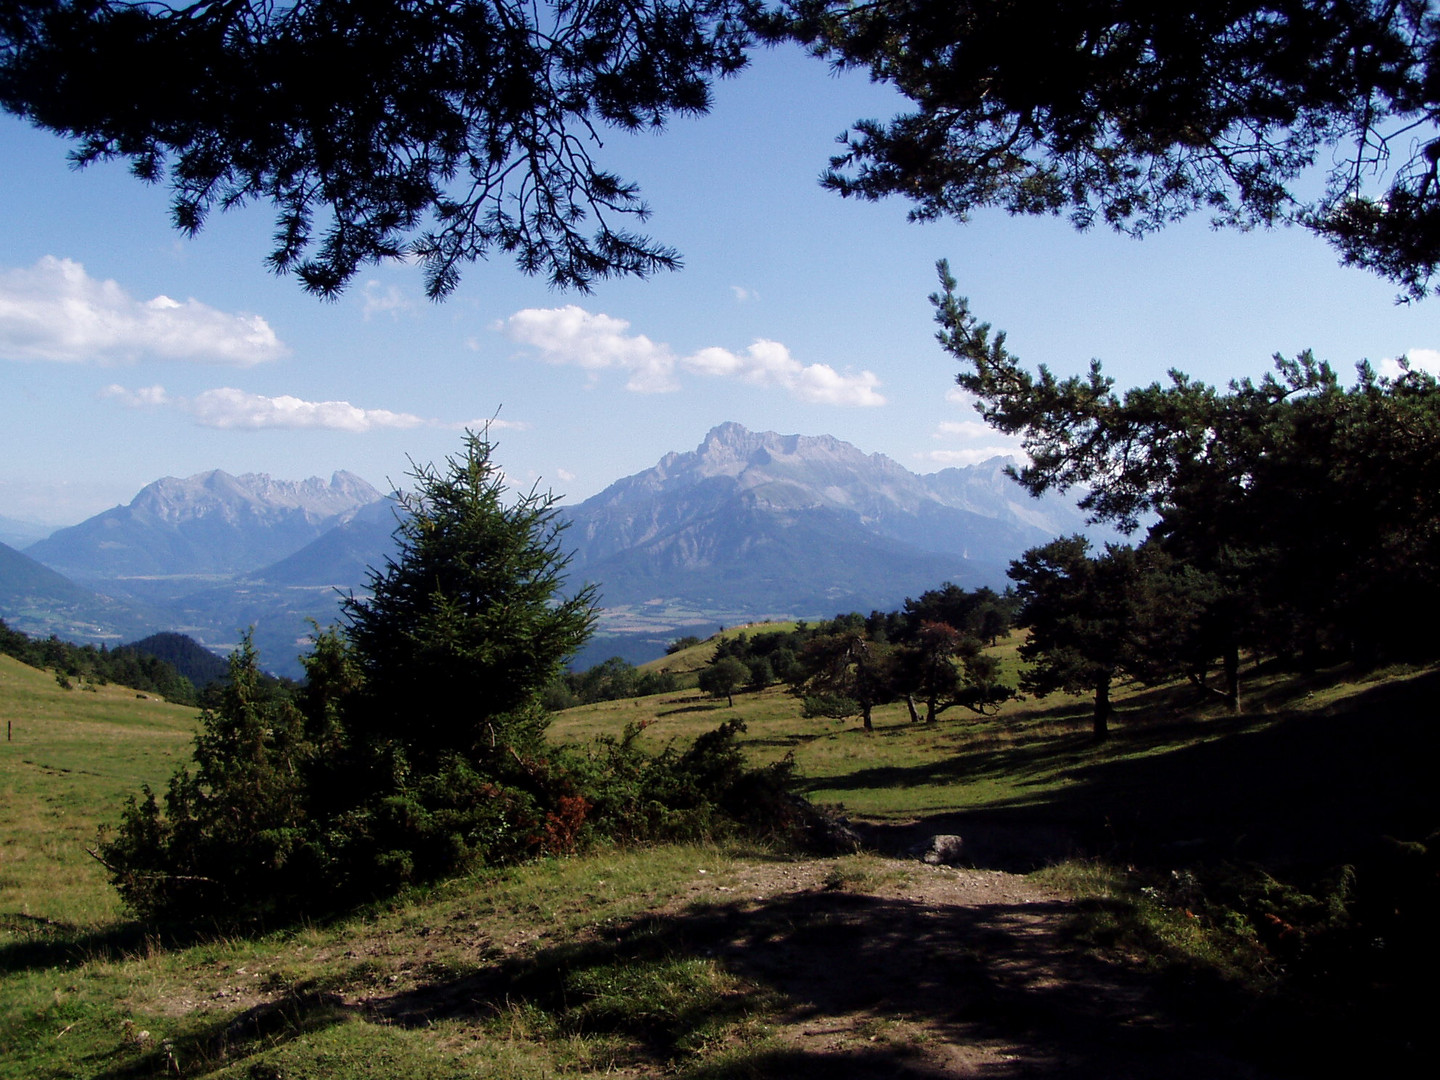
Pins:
x,y
791,524
211,523
341,556
41,602
21,534
749,524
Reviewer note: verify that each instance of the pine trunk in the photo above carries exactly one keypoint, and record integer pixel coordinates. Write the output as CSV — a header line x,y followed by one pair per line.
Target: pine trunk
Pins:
x,y
1103,709
1232,678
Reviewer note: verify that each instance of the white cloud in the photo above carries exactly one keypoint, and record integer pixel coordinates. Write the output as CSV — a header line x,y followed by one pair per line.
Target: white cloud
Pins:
x,y
232,409
965,429
742,294
55,311
1421,359
971,455
572,335
145,396
769,364
384,300
978,440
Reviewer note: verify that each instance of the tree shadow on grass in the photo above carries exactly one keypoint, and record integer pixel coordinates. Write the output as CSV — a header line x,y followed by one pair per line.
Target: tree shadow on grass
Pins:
x,y
1289,788
44,944
862,986
690,709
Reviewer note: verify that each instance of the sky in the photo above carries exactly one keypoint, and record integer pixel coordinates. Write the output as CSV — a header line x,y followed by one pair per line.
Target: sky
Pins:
x,y
129,352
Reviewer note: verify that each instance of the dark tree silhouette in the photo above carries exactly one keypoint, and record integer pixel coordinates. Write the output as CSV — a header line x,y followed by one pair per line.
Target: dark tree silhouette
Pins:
x,y
1134,113
453,129
442,129
1308,509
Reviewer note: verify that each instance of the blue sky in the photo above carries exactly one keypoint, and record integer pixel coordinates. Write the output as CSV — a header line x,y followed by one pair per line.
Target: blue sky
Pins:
x,y
128,352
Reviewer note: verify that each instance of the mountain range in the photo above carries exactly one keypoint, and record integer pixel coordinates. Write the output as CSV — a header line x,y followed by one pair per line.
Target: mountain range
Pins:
x,y
761,524
209,524
749,525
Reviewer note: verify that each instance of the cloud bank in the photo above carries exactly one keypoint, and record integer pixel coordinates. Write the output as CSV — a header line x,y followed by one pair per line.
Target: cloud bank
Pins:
x,y
596,342
55,311
1420,360
230,409
978,440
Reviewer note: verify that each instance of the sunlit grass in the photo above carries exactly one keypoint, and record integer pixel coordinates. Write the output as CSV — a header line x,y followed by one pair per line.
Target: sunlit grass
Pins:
x,y
71,759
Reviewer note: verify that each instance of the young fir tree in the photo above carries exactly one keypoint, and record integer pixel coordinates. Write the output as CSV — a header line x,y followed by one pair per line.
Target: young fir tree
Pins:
x,y
415,747
465,626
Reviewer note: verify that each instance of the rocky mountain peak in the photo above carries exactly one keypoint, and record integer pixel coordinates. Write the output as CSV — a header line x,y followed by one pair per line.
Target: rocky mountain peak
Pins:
x,y
252,494
211,522
732,446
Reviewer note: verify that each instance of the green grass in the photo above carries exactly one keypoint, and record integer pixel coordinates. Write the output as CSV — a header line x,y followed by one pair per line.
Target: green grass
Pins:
x,y
71,759
902,769
563,968
1312,755
574,978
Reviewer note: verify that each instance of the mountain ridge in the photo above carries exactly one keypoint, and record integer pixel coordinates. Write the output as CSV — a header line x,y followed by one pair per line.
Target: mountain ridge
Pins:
x,y
678,530
208,523
747,525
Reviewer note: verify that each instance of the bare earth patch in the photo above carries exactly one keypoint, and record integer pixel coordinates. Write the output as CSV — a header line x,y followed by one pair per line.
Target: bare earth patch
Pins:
x,y
864,967
910,970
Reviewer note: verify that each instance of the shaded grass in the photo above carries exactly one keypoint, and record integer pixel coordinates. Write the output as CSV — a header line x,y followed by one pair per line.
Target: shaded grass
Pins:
x,y
1319,764
1267,868
492,969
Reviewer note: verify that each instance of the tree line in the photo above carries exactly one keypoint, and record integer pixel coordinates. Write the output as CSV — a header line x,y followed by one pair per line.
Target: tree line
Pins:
x,y
89,666
929,651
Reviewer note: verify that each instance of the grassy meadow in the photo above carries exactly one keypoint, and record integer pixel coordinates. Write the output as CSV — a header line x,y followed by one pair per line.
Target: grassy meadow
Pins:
x,y
607,962
71,758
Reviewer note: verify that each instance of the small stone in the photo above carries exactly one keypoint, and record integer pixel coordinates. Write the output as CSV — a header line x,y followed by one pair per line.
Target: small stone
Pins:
x,y
944,849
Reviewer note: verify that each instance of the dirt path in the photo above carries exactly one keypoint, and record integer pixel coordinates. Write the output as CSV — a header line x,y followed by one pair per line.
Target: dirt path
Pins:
x,y
872,968
900,969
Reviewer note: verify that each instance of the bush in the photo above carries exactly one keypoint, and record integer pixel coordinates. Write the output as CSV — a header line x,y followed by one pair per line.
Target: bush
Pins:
x,y
704,792
232,836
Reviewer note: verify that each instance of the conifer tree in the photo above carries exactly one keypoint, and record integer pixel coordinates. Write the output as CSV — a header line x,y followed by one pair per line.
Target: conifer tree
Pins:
x,y
465,626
